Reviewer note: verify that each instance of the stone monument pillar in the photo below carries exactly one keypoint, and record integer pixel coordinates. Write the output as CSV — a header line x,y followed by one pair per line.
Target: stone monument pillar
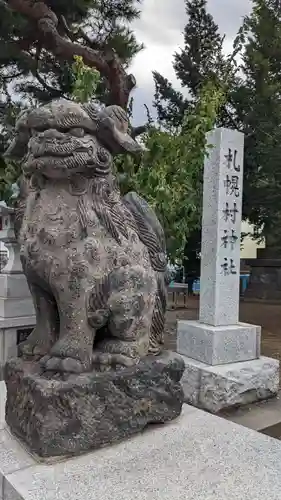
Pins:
x,y
17,317
222,355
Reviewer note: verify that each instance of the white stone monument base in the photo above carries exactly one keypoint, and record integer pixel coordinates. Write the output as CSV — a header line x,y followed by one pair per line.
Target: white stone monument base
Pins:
x,y
198,456
218,345
223,367
219,387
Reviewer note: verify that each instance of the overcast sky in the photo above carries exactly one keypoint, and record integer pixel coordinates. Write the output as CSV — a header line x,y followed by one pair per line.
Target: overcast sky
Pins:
x,y
160,28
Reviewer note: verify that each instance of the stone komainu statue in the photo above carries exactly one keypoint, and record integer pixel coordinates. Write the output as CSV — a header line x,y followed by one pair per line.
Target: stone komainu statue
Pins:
x,y
95,262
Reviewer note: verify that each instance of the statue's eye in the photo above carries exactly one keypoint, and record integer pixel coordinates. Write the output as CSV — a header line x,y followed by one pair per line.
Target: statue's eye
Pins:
x,y
77,132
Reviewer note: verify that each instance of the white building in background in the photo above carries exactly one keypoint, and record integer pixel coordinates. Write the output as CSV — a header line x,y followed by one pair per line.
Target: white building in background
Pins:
x,y
249,246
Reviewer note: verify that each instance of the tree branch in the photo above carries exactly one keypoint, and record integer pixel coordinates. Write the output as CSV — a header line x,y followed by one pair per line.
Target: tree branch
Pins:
x,y
15,52
51,90
136,131
11,77
108,64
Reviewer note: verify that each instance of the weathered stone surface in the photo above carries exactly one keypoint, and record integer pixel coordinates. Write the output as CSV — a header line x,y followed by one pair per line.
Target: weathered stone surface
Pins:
x,y
96,267
191,381
95,261
239,383
13,456
215,388
68,417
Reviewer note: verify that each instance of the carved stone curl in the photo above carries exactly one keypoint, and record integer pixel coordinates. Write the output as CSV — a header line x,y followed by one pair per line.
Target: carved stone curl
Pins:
x,y
95,262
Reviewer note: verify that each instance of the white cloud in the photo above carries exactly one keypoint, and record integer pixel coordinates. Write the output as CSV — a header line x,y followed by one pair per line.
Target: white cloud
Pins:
x,y
160,29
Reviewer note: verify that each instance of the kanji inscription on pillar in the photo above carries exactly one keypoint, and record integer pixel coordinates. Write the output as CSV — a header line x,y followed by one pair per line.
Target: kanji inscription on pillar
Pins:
x,y
221,228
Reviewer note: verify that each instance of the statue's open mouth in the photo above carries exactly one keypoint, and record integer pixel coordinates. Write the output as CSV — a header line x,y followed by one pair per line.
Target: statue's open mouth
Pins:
x,y
55,165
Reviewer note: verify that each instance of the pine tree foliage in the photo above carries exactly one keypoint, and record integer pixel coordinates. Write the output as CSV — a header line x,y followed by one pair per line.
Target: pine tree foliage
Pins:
x,y
38,42
41,44
201,58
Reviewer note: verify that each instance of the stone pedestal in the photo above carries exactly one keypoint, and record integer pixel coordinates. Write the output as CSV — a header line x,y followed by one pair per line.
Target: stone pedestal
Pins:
x,y
223,367
197,456
219,387
68,416
218,345
17,315
265,276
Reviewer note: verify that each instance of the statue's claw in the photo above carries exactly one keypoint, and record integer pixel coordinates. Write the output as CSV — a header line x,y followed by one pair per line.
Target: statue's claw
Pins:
x,y
35,345
104,360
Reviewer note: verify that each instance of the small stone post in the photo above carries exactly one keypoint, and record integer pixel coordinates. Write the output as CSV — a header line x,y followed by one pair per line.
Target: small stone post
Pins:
x,y
222,356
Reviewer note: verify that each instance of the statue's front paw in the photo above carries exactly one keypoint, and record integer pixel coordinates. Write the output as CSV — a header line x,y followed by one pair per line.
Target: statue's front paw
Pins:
x,y
67,356
35,345
64,365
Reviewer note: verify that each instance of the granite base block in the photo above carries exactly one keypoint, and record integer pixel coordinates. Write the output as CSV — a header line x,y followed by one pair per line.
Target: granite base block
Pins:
x,y
197,456
217,345
56,417
221,387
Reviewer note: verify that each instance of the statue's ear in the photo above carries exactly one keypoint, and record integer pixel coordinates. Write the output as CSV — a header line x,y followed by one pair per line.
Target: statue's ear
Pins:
x,y
18,147
115,139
